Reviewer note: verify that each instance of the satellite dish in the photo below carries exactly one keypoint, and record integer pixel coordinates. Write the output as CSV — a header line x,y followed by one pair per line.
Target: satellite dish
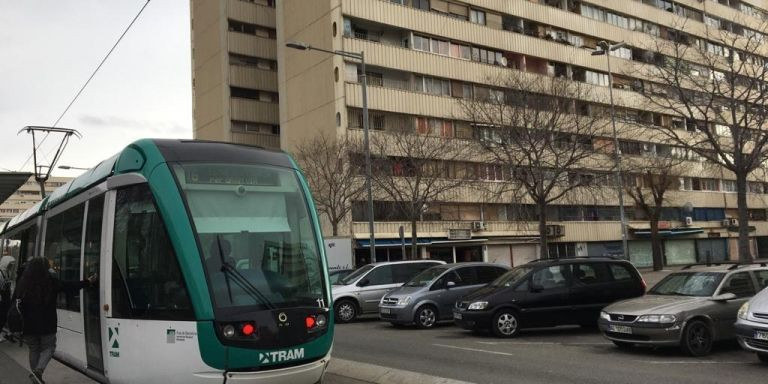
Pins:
x,y
688,207
503,61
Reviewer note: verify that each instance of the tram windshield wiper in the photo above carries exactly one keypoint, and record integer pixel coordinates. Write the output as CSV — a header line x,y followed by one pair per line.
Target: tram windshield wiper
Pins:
x,y
229,270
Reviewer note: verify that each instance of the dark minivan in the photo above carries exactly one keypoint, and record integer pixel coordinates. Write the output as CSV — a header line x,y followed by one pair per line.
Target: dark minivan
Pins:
x,y
549,292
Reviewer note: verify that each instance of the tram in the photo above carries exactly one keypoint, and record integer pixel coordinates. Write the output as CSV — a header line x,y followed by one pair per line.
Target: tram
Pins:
x,y
210,263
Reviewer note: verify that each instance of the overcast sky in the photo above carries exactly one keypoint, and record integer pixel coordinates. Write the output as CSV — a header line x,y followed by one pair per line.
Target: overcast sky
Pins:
x,y
48,48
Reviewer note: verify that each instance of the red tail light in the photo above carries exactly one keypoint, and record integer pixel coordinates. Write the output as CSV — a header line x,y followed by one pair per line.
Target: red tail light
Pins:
x,y
248,329
310,322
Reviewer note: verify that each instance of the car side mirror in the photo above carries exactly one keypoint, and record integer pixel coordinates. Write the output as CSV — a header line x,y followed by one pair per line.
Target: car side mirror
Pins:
x,y
533,287
363,282
450,285
724,297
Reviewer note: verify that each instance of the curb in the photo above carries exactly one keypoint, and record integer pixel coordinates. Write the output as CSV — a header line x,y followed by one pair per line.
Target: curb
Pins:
x,y
377,374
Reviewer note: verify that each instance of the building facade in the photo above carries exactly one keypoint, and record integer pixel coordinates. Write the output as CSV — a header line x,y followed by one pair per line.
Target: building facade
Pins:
x,y
425,56
234,72
27,196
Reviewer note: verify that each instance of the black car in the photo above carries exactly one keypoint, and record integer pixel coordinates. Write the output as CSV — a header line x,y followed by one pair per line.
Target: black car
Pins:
x,y
547,293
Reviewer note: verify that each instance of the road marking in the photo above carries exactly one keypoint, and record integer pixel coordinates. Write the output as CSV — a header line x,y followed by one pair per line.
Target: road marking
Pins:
x,y
537,343
690,362
474,349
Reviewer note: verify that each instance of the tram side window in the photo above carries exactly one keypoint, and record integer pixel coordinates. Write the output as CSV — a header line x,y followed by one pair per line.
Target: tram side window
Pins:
x,y
63,243
146,280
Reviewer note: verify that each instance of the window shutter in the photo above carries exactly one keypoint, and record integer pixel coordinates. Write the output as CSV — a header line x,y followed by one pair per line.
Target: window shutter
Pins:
x,y
439,5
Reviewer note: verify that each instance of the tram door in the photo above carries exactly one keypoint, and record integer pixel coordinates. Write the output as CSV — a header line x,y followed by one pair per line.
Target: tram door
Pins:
x,y
91,297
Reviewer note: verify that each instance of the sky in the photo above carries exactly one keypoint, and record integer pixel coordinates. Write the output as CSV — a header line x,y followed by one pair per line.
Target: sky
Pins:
x,y
49,48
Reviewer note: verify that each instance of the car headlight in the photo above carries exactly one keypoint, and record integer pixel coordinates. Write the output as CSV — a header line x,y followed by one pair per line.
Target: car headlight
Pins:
x,y
662,319
743,311
381,302
404,300
478,306
605,316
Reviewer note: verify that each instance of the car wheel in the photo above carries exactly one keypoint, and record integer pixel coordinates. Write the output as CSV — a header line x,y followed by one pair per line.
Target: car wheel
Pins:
x,y
623,344
425,317
763,357
345,311
697,339
505,323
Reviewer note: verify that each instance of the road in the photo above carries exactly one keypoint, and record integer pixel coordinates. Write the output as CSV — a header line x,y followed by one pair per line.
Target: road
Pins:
x,y
561,355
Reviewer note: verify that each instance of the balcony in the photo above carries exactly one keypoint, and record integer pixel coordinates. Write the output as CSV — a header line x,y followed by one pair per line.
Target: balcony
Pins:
x,y
265,140
251,13
251,45
254,110
254,78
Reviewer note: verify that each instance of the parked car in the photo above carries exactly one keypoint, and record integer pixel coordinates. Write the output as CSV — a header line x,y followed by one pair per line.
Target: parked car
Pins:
x,y
752,323
361,291
429,297
548,293
338,274
691,308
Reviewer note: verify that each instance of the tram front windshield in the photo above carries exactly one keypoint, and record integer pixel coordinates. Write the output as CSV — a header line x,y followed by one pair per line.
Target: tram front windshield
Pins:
x,y
258,242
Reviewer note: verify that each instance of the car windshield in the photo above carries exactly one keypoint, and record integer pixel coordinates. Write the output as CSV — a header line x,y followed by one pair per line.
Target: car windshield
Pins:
x,y
511,278
688,284
256,235
426,277
354,275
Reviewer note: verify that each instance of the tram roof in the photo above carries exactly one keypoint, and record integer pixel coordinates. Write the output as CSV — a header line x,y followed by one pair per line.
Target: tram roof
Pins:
x,y
171,150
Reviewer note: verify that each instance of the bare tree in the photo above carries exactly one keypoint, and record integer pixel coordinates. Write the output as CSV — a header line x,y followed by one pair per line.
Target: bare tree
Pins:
x,y
648,183
719,86
335,183
540,129
416,169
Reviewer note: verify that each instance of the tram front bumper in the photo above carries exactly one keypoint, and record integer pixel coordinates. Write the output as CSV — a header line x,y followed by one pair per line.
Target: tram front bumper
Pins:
x,y
302,374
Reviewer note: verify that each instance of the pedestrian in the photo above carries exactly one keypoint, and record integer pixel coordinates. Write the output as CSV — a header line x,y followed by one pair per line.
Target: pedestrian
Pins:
x,y
37,290
7,264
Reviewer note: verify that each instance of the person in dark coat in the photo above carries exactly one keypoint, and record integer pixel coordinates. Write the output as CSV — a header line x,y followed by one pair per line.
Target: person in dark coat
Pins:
x,y
38,290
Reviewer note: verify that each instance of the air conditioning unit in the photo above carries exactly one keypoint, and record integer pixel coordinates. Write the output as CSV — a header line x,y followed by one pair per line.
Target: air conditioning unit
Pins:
x,y
555,230
688,220
725,222
478,226
733,222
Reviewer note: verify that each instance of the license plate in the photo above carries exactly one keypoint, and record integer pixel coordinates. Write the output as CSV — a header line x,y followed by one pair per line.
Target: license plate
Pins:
x,y
457,316
761,335
386,311
620,329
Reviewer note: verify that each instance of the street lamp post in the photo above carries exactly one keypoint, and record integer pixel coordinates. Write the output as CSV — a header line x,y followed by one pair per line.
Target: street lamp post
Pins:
x,y
368,176
606,49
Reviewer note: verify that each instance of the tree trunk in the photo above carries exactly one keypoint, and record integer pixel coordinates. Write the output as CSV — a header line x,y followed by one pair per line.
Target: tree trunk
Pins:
x,y
414,242
658,258
543,241
745,254
335,226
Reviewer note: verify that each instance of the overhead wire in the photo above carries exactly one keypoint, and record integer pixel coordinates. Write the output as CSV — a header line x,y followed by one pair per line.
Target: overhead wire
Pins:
x,y
87,81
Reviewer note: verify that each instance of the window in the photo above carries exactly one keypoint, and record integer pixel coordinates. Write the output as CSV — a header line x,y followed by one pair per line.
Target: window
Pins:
x,y
590,273
146,280
466,276
551,277
380,276
63,243
762,279
740,284
406,271
620,272
487,274
728,185
476,16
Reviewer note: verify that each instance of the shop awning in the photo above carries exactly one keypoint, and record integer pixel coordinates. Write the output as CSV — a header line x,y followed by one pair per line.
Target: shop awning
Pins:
x,y
365,243
671,232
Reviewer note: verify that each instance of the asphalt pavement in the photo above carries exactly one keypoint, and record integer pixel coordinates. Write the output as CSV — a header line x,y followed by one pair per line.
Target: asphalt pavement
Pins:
x,y
553,355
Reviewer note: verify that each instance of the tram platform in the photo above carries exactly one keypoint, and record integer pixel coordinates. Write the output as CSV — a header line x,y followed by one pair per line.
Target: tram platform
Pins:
x,y
14,368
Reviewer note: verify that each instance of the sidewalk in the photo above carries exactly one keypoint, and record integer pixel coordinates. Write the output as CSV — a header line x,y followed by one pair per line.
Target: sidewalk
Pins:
x,y
13,370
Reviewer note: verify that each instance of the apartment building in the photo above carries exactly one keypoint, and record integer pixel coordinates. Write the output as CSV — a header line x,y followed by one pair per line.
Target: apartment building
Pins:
x,y
424,56
26,196
234,72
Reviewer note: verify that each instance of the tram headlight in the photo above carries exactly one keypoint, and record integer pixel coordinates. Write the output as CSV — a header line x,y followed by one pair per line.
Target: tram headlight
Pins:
x,y
321,320
229,331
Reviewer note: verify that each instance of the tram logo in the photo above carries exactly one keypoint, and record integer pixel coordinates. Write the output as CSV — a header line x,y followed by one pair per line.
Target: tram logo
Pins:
x,y
280,356
114,345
